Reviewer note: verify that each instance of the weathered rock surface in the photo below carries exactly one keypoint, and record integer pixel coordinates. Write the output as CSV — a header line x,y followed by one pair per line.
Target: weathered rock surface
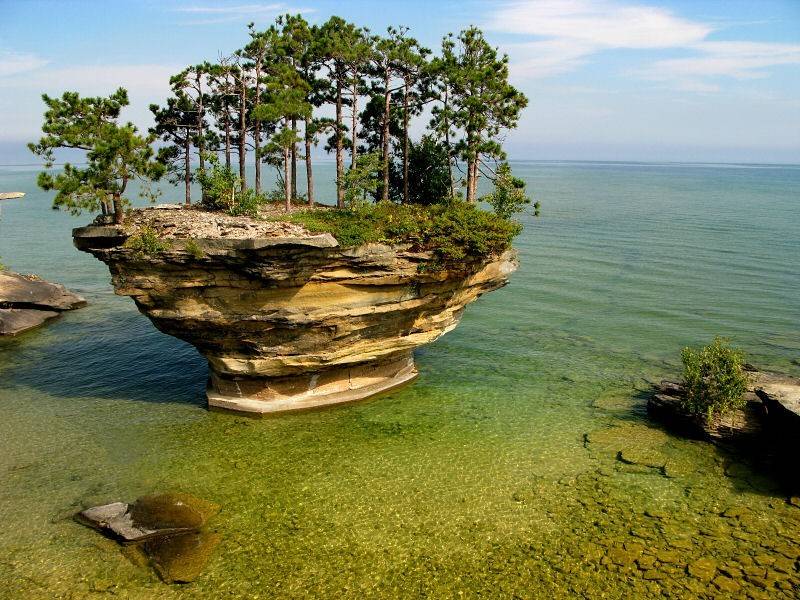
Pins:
x,y
290,321
27,302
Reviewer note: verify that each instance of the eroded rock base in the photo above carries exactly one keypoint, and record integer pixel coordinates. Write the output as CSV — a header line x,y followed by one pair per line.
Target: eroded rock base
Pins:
x,y
307,390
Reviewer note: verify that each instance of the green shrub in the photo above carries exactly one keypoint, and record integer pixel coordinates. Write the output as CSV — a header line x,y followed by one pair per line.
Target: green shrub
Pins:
x,y
146,242
194,249
452,231
714,378
221,190
508,197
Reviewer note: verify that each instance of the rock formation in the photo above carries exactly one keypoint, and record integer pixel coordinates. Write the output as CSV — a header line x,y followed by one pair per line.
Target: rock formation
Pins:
x,y
289,320
27,301
772,403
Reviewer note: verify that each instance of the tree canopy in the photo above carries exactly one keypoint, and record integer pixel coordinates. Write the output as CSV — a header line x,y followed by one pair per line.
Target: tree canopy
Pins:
x,y
271,100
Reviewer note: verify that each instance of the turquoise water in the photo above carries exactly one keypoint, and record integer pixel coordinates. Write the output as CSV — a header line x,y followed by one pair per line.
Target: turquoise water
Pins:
x,y
495,474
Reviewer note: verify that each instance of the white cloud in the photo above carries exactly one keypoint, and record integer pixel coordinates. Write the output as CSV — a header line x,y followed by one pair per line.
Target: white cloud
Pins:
x,y
231,13
12,63
742,60
567,33
598,24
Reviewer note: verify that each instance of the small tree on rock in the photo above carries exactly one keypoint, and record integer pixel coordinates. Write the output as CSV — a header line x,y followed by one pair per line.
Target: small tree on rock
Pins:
x,y
115,154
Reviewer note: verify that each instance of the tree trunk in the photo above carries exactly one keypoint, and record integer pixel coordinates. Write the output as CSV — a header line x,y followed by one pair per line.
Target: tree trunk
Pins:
x,y
257,128
187,170
470,177
227,140
201,147
309,174
447,142
405,142
104,207
243,134
339,148
287,177
353,135
294,160
387,107
118,214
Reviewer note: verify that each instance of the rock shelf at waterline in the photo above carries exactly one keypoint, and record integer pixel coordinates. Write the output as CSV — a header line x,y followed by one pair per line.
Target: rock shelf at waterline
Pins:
x,y
26,302
289,320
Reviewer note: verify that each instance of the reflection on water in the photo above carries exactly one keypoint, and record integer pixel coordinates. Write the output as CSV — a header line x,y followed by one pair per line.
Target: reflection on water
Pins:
x,y
495,474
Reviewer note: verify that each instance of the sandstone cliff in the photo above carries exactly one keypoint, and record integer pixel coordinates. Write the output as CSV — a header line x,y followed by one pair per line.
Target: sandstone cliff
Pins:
x,y
290,320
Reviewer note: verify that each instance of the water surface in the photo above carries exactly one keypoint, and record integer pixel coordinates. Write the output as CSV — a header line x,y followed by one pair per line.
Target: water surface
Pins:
x,y
495,474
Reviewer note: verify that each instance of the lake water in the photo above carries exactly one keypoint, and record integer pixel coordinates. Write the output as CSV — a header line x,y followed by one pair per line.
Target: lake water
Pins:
x,y
495,474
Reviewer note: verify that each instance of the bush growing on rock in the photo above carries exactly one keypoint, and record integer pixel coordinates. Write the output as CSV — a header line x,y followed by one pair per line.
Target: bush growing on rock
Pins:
x,y
146,242
714,378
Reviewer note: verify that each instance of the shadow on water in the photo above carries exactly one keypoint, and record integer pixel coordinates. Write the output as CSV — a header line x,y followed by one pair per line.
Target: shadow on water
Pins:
x,y
120,356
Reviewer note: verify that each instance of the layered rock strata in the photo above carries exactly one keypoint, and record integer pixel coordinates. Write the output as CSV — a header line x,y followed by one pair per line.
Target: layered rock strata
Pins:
x,y
294,321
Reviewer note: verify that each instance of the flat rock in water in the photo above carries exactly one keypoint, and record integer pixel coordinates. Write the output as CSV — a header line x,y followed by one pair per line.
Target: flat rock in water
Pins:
x,y
16,320
776,389
18,291
11,195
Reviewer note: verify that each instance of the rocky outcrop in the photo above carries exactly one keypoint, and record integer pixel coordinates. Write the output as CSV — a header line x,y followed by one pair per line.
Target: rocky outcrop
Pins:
x,y
772,403
27,302
291,320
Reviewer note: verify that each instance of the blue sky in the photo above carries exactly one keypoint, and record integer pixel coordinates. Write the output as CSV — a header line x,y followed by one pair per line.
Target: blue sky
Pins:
x,y
607,80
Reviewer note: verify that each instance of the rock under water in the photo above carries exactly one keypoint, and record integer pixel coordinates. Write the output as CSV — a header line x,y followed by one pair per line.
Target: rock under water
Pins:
x,y
165,531
293,321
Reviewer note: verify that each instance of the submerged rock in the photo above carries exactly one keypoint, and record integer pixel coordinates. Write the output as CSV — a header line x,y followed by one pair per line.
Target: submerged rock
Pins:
x,y
286,319
27,302
150,516
163,530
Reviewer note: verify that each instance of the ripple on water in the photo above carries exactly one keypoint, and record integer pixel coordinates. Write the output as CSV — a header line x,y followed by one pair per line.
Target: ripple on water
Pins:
x,y
520,463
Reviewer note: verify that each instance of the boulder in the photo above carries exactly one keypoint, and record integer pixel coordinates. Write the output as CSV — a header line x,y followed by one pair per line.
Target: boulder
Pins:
x,y
20,291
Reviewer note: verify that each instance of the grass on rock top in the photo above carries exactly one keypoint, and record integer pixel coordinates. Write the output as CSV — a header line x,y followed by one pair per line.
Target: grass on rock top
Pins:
x,y
453,231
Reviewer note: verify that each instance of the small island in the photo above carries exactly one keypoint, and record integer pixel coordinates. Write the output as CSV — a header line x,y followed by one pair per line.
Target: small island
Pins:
x,y
288,318
297,303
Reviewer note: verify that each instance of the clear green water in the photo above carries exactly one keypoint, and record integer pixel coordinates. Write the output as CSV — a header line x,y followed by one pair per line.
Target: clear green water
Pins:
x,y
493,475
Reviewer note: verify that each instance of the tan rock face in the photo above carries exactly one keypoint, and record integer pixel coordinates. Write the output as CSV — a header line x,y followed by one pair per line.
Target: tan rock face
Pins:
x,y
296,322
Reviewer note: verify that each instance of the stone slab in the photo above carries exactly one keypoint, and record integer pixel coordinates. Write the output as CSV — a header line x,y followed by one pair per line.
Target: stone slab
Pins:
x,y
14,321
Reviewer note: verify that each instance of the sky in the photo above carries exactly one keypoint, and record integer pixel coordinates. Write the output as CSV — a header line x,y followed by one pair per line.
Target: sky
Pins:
x,y
639,80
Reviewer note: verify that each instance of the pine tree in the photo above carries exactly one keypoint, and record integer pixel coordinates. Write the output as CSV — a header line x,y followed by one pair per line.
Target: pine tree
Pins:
x,y
482,101
115,154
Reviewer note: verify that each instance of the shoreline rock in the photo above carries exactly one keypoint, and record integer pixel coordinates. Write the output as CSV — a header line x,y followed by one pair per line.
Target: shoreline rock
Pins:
x,y
27,302
289,320
772,404
11,195
166,531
